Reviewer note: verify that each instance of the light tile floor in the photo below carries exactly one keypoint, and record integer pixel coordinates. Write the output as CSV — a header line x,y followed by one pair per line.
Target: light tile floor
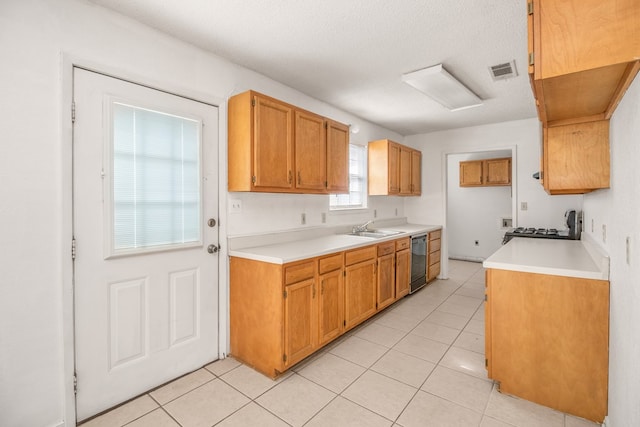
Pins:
x,y
419,363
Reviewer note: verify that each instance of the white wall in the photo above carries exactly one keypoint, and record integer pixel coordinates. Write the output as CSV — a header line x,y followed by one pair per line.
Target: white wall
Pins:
x,y
523,136
474,213
37,39
618,208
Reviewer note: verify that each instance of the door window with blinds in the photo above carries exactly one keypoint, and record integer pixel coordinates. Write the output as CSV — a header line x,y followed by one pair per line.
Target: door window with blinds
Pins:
x,y
155,192
357,196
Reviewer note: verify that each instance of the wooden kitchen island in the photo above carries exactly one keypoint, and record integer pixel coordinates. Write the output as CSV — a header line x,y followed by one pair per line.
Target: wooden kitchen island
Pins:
x,y
547,324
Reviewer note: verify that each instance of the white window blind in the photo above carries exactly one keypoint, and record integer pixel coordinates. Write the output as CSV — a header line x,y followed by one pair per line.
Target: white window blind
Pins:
x,y
357,196
155,179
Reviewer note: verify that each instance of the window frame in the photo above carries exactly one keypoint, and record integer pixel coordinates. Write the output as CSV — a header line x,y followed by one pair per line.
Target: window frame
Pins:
x,y
364,179
110,251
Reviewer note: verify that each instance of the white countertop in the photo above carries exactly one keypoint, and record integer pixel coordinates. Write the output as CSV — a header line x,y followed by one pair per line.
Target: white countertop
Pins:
x,y
282,253
572,258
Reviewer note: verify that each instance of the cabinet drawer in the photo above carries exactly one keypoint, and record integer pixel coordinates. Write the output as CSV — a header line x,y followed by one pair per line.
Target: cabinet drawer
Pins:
x,y
330,263
434,245
359,255
435,234
386,248
298,272
403,244
434,270
434,257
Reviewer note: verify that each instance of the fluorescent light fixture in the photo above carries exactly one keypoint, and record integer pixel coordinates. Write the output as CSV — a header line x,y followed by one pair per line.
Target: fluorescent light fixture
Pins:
x,y
439,85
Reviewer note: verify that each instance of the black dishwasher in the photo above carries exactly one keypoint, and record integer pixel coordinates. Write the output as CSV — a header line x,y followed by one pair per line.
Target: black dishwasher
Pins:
x,y
418,262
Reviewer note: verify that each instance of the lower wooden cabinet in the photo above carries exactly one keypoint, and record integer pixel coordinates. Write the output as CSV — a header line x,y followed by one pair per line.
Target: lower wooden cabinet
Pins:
x,y
359,285
280,314
331,298
433,257
299,315
403,267
386,272
547,339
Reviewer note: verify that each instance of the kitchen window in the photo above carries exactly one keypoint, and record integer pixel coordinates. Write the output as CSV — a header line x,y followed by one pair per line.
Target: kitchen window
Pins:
x,y
357,196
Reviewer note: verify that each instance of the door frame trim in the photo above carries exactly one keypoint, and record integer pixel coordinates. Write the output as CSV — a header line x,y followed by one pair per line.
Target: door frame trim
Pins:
x,y
68,62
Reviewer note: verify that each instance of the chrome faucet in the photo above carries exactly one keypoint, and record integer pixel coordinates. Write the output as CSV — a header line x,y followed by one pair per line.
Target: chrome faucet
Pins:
x,y
361,228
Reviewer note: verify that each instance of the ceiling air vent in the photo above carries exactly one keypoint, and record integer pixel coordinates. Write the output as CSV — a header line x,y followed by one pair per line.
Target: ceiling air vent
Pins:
x,y
503,71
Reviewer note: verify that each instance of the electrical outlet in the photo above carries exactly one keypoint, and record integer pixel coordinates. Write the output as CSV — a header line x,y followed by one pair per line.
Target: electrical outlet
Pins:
x,y
303,219
476,242
523,206
396,211
375,213
323,217
235,206
592,227
604,233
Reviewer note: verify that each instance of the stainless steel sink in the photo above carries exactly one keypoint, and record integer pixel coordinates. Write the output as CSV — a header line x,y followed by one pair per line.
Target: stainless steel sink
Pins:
x,y
376,234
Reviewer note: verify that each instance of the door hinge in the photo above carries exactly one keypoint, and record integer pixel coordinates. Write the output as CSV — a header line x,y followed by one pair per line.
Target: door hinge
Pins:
x,y
253,179
486,297
73,248
75,383
284,357
253,102
344,323
284,294
73,112
486,363
531,58
530,8
344,273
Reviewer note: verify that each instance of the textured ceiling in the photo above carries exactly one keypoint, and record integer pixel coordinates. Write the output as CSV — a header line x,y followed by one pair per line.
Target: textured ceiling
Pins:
x,y
352,53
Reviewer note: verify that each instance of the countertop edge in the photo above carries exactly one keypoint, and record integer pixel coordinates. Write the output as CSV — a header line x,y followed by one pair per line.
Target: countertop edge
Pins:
x,y
581,274
506,261
407,230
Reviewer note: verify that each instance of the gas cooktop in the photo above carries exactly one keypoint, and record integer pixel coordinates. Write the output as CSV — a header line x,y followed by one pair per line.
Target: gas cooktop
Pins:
x,y
540,233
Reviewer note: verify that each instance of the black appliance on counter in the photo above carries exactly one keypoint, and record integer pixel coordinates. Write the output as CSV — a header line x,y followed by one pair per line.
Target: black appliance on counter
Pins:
x,y
572,219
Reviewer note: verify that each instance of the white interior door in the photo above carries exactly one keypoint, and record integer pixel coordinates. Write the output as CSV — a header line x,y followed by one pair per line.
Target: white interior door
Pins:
x,y
146,268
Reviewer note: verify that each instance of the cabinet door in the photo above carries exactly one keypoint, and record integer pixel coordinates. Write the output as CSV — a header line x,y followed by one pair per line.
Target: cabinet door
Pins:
x,y
331,306
576,157
394,167
310,151
386,280
405,171
574,36
560,359
416,172
300,320
471,173
272,145
337,157
403,272
497,171
360,292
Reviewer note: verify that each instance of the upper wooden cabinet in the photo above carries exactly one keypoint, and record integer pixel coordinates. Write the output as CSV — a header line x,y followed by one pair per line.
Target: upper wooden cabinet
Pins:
x,y
583,55
575,158
277,147
485,173
337,157
394,169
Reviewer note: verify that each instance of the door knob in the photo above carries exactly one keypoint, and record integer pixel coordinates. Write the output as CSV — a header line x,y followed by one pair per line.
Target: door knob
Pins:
x,y
212,249
211,222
